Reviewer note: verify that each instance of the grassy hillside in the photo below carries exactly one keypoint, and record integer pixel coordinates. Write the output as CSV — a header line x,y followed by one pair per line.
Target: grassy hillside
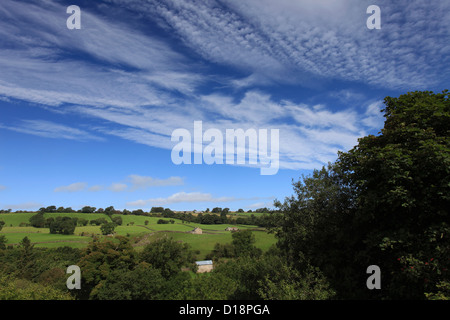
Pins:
x,y
140,229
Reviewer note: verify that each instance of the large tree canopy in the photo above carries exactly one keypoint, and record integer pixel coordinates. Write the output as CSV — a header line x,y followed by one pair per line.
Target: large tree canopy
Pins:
x,y
385,203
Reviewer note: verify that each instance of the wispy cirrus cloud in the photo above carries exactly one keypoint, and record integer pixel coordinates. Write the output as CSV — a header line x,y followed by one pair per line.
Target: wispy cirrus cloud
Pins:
x,y
291,41
144,89
48,129
124,68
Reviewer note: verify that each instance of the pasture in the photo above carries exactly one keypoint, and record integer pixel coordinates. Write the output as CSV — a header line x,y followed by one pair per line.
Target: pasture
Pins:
x,y
140,229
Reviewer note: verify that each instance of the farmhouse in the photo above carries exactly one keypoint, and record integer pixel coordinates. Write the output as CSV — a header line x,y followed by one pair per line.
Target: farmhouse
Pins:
x,y
232,229
204,266
197,231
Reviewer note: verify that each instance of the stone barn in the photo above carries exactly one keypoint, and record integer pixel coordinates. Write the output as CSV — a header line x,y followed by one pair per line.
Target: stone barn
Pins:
x,y
197,231
232,229
204,266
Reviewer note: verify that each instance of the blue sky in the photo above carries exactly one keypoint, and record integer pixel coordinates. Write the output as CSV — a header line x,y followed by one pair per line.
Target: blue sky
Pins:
x,y
86,116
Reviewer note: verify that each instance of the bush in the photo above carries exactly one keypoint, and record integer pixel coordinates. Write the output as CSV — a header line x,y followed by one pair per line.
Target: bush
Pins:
x,y
18,289
38,220
117,220
108,228
63,225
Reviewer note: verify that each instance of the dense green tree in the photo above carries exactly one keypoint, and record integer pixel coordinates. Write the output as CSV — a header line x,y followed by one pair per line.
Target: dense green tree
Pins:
x,y
402,182
117,220
101,258
167,255
98,221
108,228
50,209
20,289
3,242
385,202
223,217
209,219
25,264
63,225
213,286
141,283
88,209
243,243
83,222
157,209
222,250
38,220
110,210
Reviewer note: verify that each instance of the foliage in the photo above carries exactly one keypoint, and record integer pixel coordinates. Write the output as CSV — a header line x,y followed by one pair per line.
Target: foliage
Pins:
x,y
108,228
167,255
19,289
117,220
38,221
384,202
243,243
101,258
63,225
291,284
141,283
3,242
213,286
98,222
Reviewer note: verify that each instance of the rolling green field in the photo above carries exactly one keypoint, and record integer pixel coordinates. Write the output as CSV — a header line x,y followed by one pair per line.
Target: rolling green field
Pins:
x,y
133,226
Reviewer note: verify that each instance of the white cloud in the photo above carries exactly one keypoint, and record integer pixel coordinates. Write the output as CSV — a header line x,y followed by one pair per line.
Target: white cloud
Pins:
x,y
74,187
181,197
258,205
188,197
373,117
268,42
118,187
41,42
143,182
96,188
297,41
2,187
24,205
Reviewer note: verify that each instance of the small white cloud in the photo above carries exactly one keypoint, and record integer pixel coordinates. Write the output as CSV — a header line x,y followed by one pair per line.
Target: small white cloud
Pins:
x,y
74,187
373,118
181,197
142,182
118,187
96,188
190,197
260,205
2,187
24,206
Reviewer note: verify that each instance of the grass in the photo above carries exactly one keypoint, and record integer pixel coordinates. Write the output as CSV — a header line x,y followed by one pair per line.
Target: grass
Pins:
x,y
133,226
